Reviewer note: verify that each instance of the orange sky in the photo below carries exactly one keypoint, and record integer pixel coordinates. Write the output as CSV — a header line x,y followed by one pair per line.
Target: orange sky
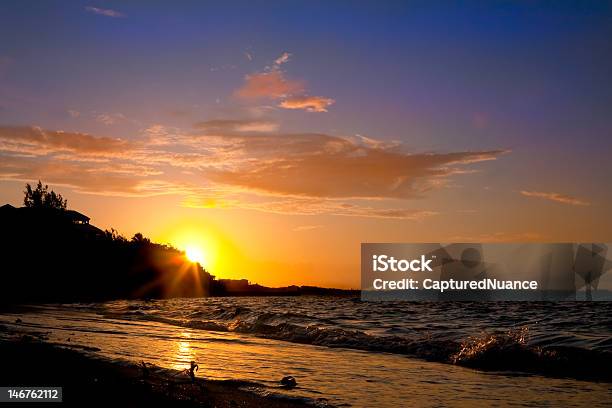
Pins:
x,y
283,249
278,153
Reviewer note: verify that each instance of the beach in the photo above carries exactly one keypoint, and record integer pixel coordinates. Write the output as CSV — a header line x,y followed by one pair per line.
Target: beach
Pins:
x,y
341,351
91,381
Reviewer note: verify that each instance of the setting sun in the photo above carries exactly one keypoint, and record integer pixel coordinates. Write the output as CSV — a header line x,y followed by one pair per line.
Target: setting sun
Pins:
x,y
195,254
199,243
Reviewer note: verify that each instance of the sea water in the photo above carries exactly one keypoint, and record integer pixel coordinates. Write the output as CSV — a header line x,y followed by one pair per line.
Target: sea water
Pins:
x,y
340,350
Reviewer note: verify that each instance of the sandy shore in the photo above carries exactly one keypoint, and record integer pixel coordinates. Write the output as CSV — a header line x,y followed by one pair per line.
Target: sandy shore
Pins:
x,y
90,381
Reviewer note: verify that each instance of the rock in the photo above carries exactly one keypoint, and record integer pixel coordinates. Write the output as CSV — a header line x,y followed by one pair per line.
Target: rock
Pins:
x,y
288,382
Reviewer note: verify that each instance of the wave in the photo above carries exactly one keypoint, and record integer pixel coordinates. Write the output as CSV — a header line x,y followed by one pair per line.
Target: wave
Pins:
x,y
511,350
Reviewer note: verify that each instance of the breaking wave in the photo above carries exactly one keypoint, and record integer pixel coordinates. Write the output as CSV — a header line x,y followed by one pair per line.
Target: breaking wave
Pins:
x,y
543,344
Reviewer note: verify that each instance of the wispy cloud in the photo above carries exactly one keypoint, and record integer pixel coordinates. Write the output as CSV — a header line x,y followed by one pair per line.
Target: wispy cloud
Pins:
x,y
309,103
306,227
110,118
105,12
41,141
311,206
284,58
273,84
239,164
83,176
500,237
319,165
556,197
237,125
341,209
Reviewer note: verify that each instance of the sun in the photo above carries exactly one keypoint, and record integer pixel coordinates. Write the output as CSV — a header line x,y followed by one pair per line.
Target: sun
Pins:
x,y
199,243
194,254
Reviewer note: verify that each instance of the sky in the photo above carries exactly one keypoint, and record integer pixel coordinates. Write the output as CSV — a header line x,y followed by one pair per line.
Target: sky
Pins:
x,y
277,136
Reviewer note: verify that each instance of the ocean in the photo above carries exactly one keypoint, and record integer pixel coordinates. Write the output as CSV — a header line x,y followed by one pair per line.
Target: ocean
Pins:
x,y
346,352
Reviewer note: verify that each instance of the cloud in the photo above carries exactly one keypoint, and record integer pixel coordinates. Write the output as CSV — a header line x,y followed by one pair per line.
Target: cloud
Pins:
x,y
284,58
317,207
82,176
306,227
501,237
272,85
319,165
309,103
110,118
38,141
74,113
241,125
308,206
556,197
105,12
239,164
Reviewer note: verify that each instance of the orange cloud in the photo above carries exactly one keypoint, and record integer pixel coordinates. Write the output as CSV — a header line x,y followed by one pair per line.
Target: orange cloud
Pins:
x,y
318,165
40,140
312,206
237,125
309,103
339,208
556,197
501,237
85,177
272,85
307,227
238,165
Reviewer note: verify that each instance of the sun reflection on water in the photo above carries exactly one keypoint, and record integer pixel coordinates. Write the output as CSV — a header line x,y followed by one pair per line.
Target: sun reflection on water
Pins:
x,y
184,353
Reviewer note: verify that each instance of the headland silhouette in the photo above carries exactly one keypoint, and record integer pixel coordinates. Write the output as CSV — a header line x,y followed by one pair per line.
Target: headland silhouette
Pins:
x,y
53,254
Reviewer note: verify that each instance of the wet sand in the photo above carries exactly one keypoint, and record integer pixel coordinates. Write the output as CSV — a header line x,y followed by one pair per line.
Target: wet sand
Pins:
x,y
336,375
91,381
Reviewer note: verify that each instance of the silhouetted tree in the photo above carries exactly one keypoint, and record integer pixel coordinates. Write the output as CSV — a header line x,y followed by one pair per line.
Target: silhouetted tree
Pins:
x,y
138,238
113,236
77,262
41,197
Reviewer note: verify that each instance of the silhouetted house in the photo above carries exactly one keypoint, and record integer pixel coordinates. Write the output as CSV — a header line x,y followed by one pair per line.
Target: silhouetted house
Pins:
x,y
81,222
76,217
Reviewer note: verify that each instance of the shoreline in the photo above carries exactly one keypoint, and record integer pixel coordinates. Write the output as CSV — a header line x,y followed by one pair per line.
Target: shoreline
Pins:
x,y
94,381
500,352
111,360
